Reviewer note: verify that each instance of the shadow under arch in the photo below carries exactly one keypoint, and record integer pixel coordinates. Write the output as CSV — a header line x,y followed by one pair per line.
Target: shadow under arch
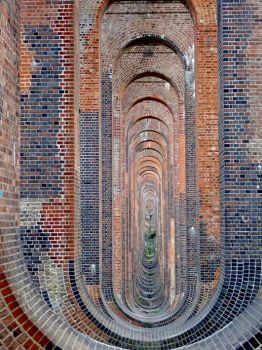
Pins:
x,y
150,98
190,5
156,40
150,73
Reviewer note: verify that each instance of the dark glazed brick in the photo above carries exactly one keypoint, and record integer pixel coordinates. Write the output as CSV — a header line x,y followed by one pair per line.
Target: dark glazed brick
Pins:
x,y
89,190
41,164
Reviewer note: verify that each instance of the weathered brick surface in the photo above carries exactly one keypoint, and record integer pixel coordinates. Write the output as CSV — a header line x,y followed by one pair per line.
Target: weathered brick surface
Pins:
x,y
89,148
17,330
48,132
119,117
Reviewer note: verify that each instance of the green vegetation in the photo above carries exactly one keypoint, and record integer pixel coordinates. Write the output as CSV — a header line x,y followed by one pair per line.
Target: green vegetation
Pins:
x,y
151,234
149,273
149,251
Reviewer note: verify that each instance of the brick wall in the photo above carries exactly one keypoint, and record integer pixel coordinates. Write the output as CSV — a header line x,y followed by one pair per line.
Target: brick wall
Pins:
x,y
147,129
49,173
17,330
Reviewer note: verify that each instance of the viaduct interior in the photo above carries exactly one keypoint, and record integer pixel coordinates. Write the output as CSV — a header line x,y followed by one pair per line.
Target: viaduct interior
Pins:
x,y
130,174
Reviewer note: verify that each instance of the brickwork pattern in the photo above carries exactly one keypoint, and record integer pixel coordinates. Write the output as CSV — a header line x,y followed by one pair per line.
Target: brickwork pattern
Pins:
x,y
119,115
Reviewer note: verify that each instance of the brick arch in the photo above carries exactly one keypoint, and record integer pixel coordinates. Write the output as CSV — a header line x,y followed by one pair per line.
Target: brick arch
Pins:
x,y
147,142
150,152
156,71
153,73
179,43
200,10
152,117
135,90
149,98
137,128
150,161
156,39
230,329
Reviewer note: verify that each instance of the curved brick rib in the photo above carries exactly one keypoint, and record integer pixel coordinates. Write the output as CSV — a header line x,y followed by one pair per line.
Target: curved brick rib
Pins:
x,y
117,121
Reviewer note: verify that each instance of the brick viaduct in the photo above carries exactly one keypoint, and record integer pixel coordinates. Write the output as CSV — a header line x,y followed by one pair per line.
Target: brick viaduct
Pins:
x,y
131,174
